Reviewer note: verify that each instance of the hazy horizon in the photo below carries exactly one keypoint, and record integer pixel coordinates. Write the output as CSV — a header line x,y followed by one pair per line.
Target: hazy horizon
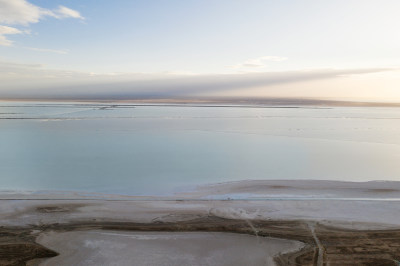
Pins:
x,y
159,50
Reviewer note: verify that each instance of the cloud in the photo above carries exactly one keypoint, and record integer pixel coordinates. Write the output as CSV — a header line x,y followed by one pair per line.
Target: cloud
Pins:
x,y
258,62
35,81
5,30
21,12
65,12
47,50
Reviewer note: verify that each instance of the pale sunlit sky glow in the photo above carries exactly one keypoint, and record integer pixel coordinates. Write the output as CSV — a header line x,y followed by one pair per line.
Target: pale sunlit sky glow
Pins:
x,y
311,49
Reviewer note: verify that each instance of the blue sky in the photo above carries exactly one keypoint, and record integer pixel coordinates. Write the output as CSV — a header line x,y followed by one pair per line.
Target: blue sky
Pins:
x,y
70,42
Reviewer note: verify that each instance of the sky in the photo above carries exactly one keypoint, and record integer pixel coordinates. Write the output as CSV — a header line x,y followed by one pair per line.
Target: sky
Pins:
x,y
339,49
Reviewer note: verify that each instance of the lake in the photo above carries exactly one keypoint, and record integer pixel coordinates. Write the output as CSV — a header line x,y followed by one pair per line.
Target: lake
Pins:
x,y
138,149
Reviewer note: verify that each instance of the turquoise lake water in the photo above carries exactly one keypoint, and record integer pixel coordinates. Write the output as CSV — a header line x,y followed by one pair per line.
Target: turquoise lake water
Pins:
x,y
149,150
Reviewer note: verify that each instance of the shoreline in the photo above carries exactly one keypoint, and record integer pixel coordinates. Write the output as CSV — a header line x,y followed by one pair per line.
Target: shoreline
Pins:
x,y
357,247
250,102
251,189
332,231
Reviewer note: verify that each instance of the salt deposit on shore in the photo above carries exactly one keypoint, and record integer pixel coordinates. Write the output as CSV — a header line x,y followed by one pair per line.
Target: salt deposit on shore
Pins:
x,y
162,248
285,209
350,204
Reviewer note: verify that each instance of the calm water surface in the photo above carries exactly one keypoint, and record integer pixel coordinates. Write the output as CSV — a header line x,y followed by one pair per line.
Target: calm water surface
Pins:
x,y
137,149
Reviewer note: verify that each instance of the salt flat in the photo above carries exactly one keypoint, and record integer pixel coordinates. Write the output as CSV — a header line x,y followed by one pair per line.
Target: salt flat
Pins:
x,y
162,248
304,211
350,204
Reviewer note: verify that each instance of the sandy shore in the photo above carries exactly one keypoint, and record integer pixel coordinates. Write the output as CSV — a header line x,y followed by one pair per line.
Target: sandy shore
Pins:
x,y
336,222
